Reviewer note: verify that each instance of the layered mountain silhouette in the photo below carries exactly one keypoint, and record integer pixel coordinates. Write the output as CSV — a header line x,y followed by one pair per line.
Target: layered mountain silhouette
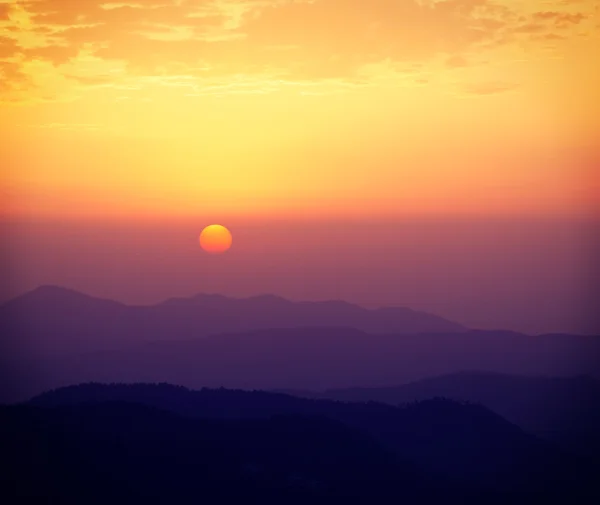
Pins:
x,y
565,410
437,444
53,321
340,437
308,358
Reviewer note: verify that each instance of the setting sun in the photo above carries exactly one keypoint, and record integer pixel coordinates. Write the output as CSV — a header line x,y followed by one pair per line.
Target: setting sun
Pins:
x,y
215,239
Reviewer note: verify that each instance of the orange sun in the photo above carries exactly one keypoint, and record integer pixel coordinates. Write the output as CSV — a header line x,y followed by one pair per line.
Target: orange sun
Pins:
x,y
215,239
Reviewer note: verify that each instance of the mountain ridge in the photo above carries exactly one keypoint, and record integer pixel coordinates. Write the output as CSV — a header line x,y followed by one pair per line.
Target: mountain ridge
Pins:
x,y
565,410
308,358
456,440
51,320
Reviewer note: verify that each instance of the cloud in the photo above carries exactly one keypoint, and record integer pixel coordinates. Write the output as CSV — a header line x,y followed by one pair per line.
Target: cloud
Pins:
x,y
488,88
457,61
560,18
13,81
340,36
323,37
56,55
291,39
530,28
4,11
552,36
96,80
8,47
548,22
69,126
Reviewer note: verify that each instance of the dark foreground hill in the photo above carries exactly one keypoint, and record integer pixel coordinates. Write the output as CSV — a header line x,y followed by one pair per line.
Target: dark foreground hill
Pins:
x,y
124,453
565,410
438,443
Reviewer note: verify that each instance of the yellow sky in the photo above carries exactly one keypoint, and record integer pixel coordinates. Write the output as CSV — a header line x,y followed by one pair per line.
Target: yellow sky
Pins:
x,y
298,107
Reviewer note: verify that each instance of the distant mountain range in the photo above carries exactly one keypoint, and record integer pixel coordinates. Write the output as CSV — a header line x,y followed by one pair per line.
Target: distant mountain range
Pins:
x,y
54,337
565,410
305,358
54,321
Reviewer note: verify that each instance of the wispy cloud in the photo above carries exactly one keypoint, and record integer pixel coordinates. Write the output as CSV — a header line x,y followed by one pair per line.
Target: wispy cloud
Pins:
x,y
488,88
305,40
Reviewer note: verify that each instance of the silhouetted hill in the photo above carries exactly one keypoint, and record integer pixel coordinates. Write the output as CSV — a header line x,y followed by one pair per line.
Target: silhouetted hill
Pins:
x,y
465,443
51,321
124,453
311,358
562,409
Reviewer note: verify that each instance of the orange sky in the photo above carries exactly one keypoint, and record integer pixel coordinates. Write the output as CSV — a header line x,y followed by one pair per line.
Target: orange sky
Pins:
x,y
307,107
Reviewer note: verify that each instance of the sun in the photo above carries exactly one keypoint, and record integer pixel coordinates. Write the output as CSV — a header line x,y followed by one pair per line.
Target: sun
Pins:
x,y
215,239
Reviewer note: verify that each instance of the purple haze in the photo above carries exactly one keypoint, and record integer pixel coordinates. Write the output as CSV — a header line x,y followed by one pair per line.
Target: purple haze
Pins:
x,y
529,275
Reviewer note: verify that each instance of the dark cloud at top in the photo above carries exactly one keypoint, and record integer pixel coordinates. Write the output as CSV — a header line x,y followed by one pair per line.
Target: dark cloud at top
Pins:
x,y
488,88
8,47
4,11
301,39
560,18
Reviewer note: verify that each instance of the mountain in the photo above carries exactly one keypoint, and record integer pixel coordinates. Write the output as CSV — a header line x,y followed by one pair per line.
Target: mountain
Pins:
x,y
456,445
565,410
309,358
126,453
54,321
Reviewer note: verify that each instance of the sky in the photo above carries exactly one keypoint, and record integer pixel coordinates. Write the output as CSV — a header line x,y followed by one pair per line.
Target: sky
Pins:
x,y
449,146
